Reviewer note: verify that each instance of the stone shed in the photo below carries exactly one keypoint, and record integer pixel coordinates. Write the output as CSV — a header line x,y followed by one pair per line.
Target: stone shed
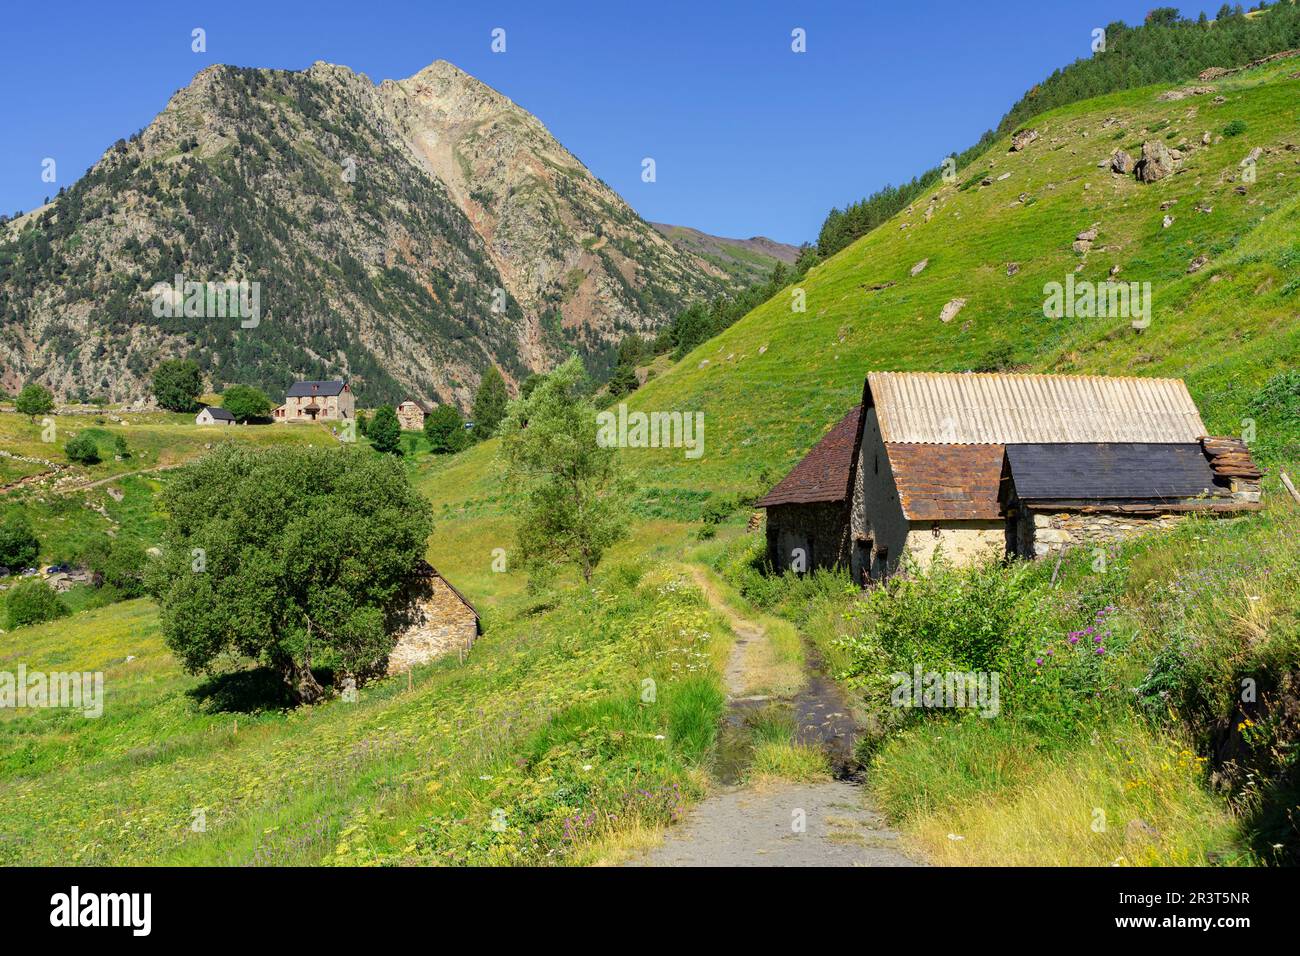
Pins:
x,y
441,621
410,415
808,511
1061,496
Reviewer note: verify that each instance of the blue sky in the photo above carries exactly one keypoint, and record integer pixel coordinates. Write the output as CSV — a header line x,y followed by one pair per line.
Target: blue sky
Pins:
x,y
748,137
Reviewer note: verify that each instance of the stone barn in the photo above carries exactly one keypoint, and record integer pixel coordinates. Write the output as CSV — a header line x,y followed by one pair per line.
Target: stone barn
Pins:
x,y
993,463
440,621
808,512
410,415
208,415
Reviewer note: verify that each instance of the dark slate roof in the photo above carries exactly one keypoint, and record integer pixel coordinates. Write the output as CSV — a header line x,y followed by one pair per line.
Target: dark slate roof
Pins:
x,y
1059,472
946,482
825,472
304,389
220,414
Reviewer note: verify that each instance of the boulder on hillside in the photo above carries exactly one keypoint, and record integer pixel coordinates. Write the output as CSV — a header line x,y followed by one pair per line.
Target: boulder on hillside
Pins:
x,y
1121,162
950,310
916,269
1022,139
1156,162
1197,264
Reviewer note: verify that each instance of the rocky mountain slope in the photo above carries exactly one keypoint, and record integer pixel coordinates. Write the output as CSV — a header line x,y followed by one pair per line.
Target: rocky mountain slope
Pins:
x,y
749,260
405,236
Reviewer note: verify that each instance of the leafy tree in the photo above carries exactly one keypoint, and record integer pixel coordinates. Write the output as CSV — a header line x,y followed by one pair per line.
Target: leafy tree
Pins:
x,y
19,546
120,564
245,402
177,385
33,602
120,447
623,381
296,557
574,494
445,430
33,400
82,448
490,402
385,431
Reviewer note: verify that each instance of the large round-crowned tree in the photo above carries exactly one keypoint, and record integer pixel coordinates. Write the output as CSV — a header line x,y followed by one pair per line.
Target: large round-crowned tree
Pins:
x,y
297,558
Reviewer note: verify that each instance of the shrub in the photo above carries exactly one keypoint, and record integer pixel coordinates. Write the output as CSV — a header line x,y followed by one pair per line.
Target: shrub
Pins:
x,y
120,565
385,431
445,430
1235,128
82,449
32,602
19,546
1280,395
245,402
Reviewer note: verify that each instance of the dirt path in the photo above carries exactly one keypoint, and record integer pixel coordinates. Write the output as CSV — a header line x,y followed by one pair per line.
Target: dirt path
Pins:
x,y
826,823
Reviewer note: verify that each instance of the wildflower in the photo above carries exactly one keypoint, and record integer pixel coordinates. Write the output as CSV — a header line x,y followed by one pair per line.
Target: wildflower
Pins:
x,y
1038,661
1101,650
1074,638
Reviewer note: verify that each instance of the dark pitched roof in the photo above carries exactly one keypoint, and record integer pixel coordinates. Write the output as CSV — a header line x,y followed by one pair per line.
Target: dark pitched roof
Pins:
x,y
946,482
220,414
303,389
825,472
1099,472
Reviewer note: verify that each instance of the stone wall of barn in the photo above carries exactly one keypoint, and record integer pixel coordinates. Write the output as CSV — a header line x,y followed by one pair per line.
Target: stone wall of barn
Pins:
x,y
1040,534
879,528
441,623
820,529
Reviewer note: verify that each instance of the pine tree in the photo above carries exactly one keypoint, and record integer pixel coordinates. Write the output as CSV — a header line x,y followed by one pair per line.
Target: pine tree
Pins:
x,y
490,403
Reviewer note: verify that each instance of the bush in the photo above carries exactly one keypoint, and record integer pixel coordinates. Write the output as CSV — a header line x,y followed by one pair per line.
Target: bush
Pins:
x,y
1235,128
385,431
245,402
1280,396
82,449
19,546
32,602
445,430
120,565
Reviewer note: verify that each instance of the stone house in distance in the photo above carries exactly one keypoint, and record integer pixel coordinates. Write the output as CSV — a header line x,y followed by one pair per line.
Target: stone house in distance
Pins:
x,y
1019,465
410,415
208,415
441,620
329,401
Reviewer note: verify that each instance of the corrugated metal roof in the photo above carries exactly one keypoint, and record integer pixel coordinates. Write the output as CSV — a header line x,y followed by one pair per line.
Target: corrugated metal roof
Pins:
x,y
1112,471
995,408
824,473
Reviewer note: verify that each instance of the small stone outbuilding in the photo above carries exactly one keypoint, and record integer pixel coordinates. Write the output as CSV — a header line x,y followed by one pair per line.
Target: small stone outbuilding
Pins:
x,y
410,415
441,621
209,415
808,512
1062,496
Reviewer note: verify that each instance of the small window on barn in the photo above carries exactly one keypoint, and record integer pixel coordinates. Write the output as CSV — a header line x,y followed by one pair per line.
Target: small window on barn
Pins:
x,y
877,459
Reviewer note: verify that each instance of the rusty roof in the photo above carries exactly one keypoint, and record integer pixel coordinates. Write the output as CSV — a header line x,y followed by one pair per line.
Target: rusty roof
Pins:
x,y
995,408
947,482
825,472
